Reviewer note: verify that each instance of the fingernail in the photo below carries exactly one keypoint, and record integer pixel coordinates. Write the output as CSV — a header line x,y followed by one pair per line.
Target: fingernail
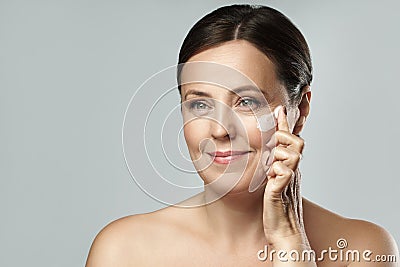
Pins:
x,y
276,111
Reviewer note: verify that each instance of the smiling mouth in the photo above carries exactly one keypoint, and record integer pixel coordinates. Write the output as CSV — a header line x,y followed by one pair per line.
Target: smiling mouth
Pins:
x,y
226,157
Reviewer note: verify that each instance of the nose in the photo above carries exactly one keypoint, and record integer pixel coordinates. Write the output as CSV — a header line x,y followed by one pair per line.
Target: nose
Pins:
x,y
224,123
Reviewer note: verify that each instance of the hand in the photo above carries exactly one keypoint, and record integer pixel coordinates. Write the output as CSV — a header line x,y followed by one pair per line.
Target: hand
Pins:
x,y
282,215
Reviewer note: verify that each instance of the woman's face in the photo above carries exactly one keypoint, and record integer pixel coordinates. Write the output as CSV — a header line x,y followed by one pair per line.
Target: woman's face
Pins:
x,y
221,110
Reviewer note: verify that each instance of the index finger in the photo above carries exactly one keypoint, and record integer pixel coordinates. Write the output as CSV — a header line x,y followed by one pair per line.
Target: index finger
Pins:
x,y
283,124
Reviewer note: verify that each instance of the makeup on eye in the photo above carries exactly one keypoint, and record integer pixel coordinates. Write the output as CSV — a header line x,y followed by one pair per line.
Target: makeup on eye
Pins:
x,y
203,106
249,104
199,107
238,91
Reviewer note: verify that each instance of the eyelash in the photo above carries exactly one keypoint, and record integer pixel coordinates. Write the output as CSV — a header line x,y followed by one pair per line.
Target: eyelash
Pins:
x,y
195,105
255,101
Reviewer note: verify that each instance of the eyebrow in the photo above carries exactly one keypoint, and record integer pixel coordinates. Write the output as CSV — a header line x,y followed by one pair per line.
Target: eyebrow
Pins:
x,y
233,91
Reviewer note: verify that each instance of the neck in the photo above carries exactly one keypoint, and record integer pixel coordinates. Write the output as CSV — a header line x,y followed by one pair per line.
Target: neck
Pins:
x,y
236,217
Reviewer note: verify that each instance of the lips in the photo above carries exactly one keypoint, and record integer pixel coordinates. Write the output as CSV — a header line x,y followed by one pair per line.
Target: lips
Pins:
x,y
226,157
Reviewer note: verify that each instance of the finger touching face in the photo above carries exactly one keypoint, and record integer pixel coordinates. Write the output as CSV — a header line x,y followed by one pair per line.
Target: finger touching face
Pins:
x,y
225,90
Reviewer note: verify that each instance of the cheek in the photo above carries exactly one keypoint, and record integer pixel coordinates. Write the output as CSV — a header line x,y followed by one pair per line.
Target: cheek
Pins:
x,y
255,137
194,133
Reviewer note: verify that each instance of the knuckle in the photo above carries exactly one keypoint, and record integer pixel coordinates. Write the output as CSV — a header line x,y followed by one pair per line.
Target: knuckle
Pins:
x,y
278,149
297,156
274,165
300,143
288,172
277,165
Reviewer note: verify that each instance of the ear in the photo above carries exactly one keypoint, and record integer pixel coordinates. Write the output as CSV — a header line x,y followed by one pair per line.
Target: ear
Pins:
x,y
304,109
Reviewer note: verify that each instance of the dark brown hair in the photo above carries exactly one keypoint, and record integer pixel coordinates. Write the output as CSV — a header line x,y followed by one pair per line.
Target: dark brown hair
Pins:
x,y
264,27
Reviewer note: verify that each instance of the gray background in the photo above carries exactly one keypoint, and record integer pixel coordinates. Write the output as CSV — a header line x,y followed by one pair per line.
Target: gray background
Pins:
x,y
69,68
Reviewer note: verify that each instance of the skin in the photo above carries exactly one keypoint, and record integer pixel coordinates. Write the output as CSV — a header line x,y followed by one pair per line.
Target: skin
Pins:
x,y
231,230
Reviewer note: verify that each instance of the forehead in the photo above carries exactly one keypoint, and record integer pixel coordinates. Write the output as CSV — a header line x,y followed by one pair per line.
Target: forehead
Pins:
x,y
236,63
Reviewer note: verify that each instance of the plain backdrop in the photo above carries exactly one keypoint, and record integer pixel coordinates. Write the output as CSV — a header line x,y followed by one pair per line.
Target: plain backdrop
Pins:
x,y
69,68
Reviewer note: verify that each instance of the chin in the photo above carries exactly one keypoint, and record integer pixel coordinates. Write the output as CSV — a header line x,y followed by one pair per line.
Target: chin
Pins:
x,y
222,183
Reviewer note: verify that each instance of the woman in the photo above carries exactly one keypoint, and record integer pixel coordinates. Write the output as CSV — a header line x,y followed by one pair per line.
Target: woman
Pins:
x,y
251,212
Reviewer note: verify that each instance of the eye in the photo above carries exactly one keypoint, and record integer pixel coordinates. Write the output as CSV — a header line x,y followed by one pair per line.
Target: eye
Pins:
x,y
199,105
249,104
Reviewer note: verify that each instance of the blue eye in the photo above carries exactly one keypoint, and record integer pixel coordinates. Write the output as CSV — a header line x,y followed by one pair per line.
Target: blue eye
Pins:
x,y
249,103
199,105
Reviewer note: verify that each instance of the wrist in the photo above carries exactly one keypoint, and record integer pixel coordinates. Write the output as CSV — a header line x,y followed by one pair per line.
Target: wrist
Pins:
x,y
296,241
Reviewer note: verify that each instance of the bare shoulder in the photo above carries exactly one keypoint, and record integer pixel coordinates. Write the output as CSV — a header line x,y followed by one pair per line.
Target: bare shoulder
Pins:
x,y
374,240
327,229
121,242
135,239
